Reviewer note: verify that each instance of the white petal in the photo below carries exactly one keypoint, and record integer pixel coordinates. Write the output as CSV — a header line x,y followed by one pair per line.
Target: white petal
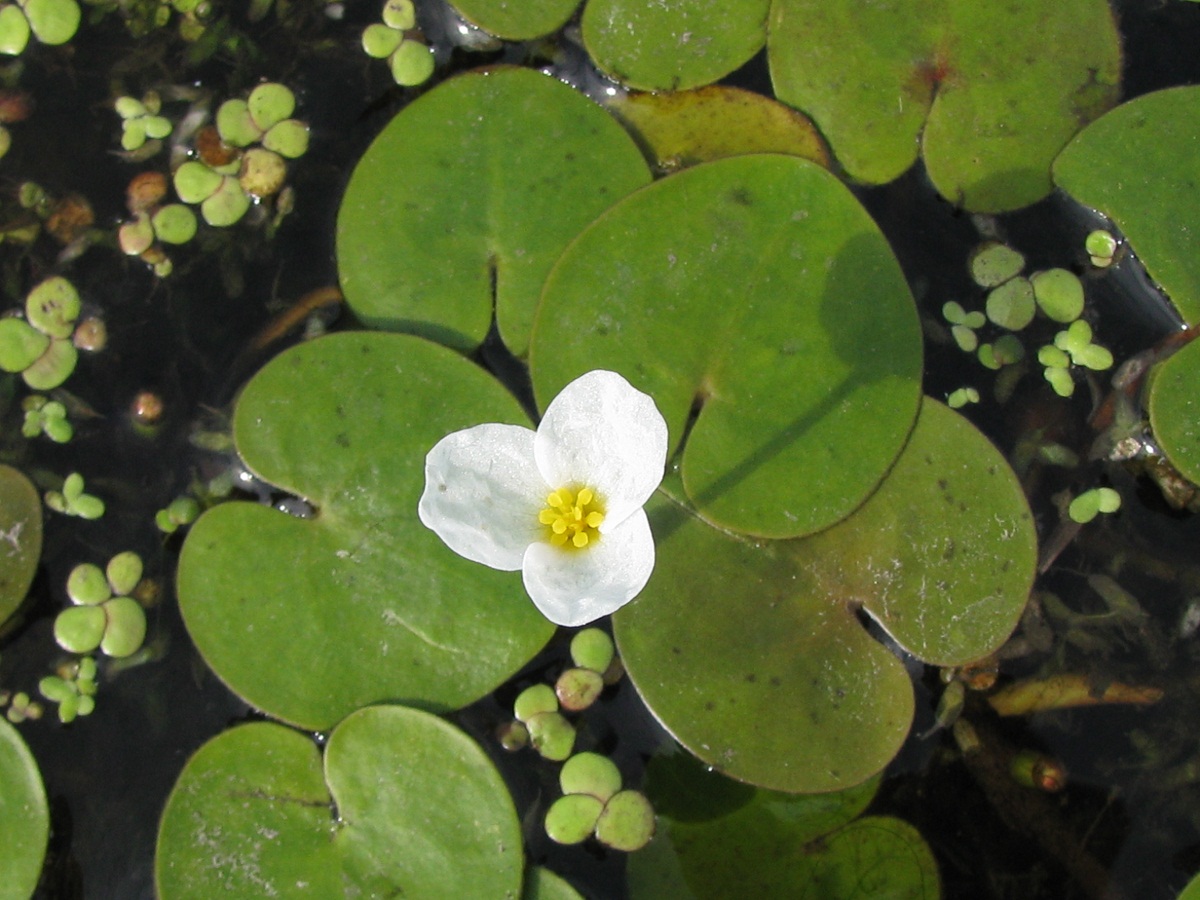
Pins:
x,y
574,587
603,433
483,494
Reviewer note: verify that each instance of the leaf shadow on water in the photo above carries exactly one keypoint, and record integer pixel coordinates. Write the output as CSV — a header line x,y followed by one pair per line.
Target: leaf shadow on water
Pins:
x,y
848,326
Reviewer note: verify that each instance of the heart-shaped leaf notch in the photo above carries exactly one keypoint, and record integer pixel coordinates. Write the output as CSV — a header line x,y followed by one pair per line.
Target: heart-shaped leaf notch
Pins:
x,y
459,208
758,303
752,655
311,618
402,804
986,93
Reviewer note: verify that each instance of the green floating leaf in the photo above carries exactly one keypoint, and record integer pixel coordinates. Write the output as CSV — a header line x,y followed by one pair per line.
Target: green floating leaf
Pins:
x,y
269,104
400,14
53,367
20,344
1175,409
626,823
411,64
1136,166
777,846
457,209
20,540
53,306
24,816
406,805
942,555
226,205
516,21
1191,890
309,619
590,773
993,263
53,21
672,45
379,41
987,93
806,372
1059,294
687,127
236,126
14,29
571,819
542,884
1011,305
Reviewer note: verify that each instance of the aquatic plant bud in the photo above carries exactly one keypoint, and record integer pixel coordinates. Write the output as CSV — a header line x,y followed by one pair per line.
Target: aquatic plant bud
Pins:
x,y
562,504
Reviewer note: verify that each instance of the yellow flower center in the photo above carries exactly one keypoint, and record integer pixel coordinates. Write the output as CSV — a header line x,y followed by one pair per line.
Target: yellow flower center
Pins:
x,y
572,517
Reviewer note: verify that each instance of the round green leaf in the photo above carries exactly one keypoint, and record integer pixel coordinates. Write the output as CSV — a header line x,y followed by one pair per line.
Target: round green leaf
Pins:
x,y
53,367
157,126
809,342
1175,409
53,21
517,21
993,263
309,619
133,133
123,572
379,41
686,127
535,699
236,125
226,205
570,819
406,805
672,45
988,93
551,735
627,822
399,14
942,555
20,344
1136,165
411,64
1059,294
53,306
1011,305
174,223
14,29
592,649
196,182
590,773
457,209
24,817
20,539
87,586
125,628
287,138
270,103
79,629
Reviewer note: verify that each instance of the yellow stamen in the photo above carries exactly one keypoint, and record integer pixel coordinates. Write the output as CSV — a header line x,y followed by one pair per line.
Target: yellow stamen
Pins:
x,y
572,517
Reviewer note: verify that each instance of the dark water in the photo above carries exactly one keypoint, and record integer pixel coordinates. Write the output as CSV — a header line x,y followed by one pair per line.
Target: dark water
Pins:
x,y
1129,803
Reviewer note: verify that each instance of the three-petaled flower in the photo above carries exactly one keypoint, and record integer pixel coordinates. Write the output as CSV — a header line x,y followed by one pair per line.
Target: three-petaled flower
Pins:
x,y
563,504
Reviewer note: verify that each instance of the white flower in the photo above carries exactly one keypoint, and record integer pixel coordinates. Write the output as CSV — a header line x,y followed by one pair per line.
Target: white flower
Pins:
x,y
562,504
